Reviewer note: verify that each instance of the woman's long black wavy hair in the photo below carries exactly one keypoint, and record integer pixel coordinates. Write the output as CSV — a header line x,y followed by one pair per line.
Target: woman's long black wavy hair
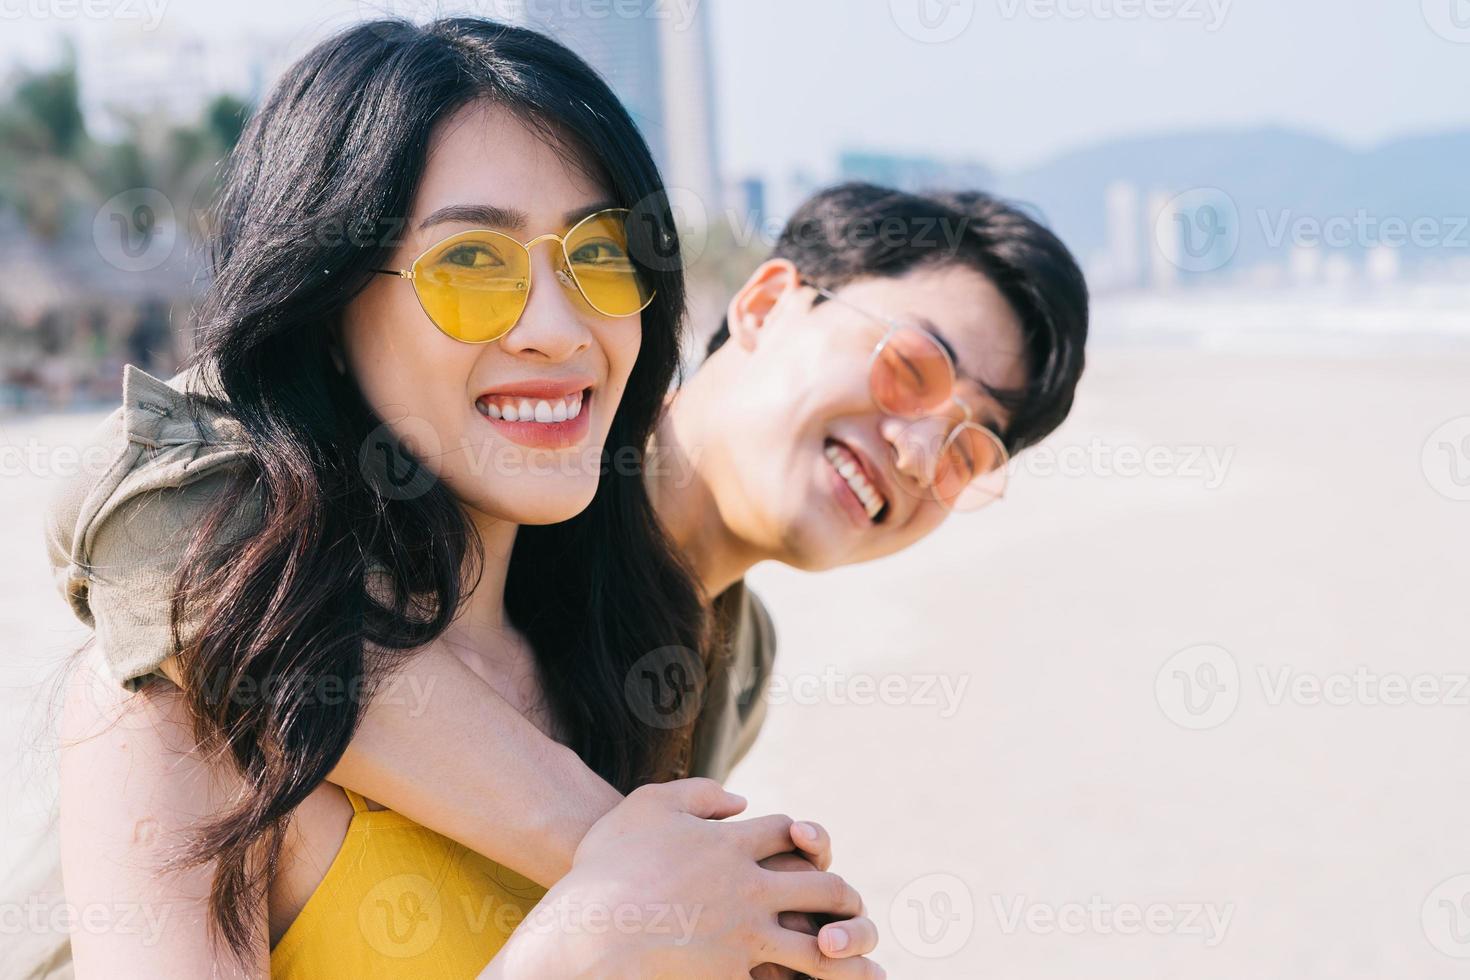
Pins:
x,y
295,607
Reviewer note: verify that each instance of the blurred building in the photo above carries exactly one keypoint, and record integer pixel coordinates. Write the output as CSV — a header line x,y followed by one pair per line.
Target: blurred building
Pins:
x,y
691,141
784,195
69,319
658,60
72,308
1125,234
748,198
172,77
1383,265
1167,255
913,173
1304,263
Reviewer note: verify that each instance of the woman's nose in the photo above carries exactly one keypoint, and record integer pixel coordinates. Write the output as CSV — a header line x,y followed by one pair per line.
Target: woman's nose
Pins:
x,y
553,325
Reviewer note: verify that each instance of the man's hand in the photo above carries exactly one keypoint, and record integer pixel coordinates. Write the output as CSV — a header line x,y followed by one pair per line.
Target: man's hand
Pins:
x,y
678,891
835,939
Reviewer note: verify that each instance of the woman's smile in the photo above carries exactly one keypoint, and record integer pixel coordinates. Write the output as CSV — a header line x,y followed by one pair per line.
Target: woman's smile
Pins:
x,y
540,414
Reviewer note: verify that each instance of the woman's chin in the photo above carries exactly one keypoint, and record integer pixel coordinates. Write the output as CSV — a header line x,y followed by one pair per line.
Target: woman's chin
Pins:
x,y
538,501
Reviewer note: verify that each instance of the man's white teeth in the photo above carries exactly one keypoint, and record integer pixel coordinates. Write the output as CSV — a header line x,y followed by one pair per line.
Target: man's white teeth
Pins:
x,y
849,470
525,410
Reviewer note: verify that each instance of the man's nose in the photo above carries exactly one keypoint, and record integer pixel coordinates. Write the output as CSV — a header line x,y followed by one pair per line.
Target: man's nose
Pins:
x,y
916,446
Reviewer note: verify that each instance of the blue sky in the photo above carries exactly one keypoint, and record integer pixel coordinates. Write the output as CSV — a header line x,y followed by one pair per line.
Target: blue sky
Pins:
x,y
1015,90
1020,81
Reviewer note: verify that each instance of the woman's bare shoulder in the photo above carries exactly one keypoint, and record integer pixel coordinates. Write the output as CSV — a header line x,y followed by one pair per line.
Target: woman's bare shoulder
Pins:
x,y
133,786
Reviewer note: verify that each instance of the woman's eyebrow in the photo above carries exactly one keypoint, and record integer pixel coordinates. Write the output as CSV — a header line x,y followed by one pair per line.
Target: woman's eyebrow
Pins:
x,y
495,216
577,214
489,215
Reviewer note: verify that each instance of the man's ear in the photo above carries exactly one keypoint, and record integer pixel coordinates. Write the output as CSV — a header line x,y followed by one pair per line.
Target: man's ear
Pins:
x,y
754,301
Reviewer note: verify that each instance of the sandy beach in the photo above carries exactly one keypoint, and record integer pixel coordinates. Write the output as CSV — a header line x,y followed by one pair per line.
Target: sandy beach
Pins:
x,y
1191,702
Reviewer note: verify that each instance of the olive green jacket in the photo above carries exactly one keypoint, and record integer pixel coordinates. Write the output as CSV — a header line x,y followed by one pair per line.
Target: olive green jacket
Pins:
x,y
117,535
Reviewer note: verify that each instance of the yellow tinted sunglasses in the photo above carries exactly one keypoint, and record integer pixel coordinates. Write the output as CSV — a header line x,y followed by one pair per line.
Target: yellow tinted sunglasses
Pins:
x,y
475,284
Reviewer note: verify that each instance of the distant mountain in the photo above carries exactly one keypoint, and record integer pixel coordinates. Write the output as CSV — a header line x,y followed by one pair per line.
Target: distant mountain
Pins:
x,y
1274,178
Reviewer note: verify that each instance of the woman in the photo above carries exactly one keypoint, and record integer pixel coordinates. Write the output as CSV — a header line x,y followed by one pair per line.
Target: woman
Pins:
x,y
406,423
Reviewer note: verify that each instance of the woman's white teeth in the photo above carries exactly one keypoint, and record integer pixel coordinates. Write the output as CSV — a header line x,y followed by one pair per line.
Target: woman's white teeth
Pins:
x,y
849,470
544,410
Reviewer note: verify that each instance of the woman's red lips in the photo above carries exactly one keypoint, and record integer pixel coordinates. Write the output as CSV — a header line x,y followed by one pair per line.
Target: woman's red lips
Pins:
x,y
540,387
538,417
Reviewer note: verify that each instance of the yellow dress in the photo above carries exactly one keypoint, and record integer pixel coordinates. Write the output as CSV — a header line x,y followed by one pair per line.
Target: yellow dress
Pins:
x,y
400,900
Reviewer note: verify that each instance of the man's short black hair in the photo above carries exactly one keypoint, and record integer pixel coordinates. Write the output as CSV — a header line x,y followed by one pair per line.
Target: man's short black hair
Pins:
x,y
859,231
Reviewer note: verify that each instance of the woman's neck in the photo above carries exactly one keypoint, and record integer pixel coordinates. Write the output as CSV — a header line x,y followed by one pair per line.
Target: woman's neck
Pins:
x,y
484,608
482,638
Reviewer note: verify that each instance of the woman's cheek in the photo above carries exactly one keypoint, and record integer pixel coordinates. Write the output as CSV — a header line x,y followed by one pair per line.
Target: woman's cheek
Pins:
x,y
418,389
626,345
620,346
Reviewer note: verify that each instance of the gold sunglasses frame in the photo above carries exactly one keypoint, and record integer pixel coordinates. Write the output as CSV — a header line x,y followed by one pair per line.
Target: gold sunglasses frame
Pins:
x,y
565,275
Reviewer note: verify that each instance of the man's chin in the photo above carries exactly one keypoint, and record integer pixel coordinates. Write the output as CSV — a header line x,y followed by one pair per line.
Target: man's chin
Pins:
x,y
818,541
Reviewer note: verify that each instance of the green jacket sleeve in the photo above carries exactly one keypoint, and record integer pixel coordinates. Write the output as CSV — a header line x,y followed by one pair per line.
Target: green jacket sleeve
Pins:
x,y
118,532
734,708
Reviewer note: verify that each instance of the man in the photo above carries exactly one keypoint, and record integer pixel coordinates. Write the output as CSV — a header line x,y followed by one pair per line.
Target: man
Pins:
x,y
794,459
870,378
